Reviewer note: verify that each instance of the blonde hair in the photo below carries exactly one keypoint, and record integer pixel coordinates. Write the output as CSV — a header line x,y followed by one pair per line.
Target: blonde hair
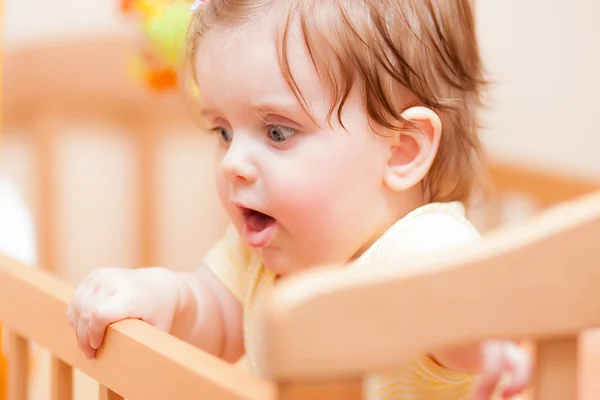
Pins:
x,y
426,46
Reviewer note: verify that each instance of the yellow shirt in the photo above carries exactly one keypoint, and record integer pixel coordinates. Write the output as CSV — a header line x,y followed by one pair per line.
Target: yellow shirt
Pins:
x,y
429,228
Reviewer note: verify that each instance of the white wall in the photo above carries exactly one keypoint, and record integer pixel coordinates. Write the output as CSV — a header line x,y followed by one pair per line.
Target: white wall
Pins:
x,y
545,58
32,20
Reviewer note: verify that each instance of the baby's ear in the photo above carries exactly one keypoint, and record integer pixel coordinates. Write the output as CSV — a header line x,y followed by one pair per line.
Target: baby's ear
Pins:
x,y
412,151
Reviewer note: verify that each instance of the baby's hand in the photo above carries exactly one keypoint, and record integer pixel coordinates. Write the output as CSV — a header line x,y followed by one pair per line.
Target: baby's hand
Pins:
x,y
109,295
502,358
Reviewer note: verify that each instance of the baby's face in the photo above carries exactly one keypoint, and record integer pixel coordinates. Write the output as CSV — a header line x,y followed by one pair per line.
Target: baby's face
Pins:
x,y
299,193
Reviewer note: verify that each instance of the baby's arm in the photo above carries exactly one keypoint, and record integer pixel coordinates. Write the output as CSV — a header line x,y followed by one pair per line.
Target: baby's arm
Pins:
x,y
193,306
209,316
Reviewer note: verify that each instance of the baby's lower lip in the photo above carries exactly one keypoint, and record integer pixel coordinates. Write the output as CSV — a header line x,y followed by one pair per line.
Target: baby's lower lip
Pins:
x,y
259,238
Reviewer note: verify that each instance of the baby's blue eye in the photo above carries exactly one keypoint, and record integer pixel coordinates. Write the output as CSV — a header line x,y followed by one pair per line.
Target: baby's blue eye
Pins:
x,y
226,135
280,133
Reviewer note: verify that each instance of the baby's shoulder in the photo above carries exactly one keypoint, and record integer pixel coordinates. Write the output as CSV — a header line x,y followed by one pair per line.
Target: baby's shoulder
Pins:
x,y
431,228
435,225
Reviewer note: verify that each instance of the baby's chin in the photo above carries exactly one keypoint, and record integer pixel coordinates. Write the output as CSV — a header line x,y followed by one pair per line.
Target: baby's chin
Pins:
x,y
277,263
280,262
284,265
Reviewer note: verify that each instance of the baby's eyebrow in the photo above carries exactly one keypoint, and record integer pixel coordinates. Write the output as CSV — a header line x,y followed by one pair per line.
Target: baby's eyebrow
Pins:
x,y
286,106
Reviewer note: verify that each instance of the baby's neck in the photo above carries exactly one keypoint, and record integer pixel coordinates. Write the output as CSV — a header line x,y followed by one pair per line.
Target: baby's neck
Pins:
x,y
399,205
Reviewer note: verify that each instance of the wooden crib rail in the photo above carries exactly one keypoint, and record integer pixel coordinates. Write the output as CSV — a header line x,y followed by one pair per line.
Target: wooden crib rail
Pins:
x,y
536,280
83,76
546,187
137,361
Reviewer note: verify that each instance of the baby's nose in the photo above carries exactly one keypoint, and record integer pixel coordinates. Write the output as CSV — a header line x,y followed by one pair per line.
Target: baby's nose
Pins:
x,y
237,166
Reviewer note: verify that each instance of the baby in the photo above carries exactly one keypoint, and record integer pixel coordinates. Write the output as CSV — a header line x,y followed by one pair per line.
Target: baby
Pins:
x,y
347,134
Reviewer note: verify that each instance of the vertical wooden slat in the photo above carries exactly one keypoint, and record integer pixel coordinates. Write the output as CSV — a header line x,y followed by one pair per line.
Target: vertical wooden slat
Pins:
x,y
62,380
107,394
44,131
348,390
494,216
18,366
145,145
556,370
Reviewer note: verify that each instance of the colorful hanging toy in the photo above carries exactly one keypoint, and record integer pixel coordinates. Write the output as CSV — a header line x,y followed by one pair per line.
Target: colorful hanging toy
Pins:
x,y
163,24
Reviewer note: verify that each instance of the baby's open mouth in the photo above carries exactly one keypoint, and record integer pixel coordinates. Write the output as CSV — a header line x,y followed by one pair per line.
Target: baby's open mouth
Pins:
x,y
256,220
258,226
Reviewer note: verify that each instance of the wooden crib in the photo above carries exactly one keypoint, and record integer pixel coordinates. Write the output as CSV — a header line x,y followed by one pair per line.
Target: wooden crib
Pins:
x,y
326,328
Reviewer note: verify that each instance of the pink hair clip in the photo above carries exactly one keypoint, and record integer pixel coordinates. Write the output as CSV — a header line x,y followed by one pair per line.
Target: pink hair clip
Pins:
x,y
196,5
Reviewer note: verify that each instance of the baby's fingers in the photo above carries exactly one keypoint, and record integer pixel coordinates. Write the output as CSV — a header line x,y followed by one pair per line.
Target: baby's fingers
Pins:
x,y
82,296
112,309
84,293
520,365
492,368
83,336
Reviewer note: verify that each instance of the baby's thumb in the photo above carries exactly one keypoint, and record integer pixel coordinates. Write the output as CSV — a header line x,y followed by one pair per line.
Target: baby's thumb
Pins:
x,y
112,309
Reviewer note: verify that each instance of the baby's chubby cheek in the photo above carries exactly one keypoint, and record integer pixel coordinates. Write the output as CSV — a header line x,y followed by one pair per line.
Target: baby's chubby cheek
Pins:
x,y
306,206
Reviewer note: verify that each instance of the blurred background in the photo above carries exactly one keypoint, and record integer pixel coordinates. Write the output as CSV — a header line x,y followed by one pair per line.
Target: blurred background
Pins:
x,y
99,166
111,168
